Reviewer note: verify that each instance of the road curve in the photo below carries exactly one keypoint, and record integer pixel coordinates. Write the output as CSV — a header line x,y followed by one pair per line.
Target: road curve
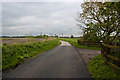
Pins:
x,y
63,61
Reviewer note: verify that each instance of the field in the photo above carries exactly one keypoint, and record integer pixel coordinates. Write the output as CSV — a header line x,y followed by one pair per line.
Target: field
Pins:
x,y
21,40
73,41
15,51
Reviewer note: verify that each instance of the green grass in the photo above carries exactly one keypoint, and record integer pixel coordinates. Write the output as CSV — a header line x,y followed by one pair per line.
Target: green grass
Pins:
x,y
12,55
100,70
73,41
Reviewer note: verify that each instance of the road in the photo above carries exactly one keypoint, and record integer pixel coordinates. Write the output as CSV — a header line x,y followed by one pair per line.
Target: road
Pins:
x,y
63,61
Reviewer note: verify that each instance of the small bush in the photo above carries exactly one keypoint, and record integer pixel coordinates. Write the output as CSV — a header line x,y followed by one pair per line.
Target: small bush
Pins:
x,y
71,36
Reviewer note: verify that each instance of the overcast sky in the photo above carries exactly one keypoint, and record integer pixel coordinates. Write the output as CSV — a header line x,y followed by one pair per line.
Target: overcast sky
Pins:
x,y
19,18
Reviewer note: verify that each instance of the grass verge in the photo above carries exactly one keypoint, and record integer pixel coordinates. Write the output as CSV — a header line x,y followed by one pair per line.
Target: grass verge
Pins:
x,y
12,55
73,41
99,70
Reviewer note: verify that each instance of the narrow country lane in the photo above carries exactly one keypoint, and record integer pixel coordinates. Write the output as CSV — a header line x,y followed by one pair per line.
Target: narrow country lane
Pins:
x,y
63,61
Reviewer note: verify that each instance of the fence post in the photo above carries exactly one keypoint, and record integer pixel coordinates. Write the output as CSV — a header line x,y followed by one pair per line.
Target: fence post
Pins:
x,y
101,47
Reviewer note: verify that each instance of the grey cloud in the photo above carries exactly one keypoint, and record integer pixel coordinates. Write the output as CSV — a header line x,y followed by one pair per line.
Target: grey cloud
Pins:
x,y
47,17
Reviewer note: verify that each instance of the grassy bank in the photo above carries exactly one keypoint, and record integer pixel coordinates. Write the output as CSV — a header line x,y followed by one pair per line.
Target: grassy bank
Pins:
x,y
100,70
73,41
12,55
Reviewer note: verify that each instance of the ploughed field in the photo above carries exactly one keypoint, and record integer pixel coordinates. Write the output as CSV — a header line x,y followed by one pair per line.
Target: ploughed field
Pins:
x,y
22,40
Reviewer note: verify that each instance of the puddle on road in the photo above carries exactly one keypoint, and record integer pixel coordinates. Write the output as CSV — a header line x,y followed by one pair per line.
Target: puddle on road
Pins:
x,y
65,44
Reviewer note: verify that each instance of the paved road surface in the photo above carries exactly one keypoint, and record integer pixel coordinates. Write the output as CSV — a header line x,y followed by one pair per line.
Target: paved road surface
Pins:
x,y
63,61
